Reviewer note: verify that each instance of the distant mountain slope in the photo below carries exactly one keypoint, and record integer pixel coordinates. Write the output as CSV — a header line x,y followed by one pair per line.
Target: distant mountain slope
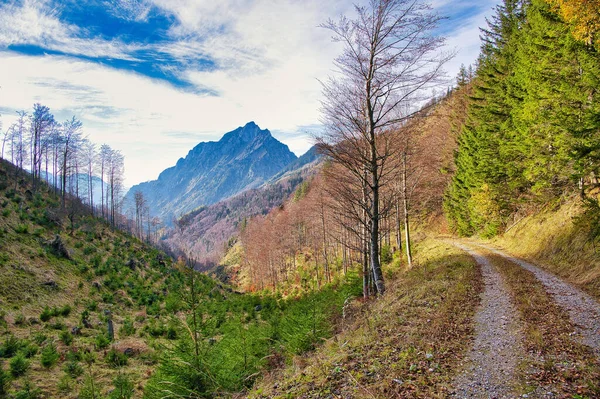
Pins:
x,y
243,159
309,157
206,231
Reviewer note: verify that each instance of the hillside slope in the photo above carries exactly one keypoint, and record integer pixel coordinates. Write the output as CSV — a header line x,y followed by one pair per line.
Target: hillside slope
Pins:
x,y
243,159
64,275
559,237
57,296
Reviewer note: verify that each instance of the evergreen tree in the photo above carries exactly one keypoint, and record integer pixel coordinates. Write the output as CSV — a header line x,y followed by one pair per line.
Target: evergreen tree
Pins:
x,y
479,194
533,126
557,117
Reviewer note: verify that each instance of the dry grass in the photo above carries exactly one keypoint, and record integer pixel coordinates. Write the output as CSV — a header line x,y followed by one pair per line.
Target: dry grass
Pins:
x,y
407,344
554,241
556,359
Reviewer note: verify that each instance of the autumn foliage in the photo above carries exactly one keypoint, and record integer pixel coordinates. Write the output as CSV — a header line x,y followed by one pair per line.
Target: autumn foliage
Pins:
x,y
318,235
584,17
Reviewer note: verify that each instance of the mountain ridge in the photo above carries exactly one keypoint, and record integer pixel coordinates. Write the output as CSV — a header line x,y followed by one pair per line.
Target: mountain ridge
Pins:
x,y
242,159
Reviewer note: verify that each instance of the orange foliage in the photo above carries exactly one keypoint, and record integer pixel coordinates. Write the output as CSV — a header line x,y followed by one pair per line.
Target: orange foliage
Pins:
x,y
584,17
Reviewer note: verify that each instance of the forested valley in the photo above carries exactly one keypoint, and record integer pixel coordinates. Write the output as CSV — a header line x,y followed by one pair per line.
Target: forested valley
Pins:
x,y
373,270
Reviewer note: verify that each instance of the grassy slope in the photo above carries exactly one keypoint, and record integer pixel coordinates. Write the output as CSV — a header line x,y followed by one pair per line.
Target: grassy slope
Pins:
x,y
553,239
239,339
96,278
406,344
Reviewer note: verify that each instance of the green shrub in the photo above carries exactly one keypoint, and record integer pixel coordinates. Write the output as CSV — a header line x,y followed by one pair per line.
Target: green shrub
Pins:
x,y
91,306
73,369
10,346
65,384
386,254
88,250
65,311
19,365
116,358
127,329
172,303
108,297
4,381
19,319
58,325
29,391
30,350
171,332
85,315
39,338
123,387
22,229
49,356
74,356
46,314
155,329
102,341
96,260
66,337
6,212
90,389
153,309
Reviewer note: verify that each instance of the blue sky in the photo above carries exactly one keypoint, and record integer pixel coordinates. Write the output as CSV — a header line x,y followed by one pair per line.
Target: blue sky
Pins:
x,y
153,78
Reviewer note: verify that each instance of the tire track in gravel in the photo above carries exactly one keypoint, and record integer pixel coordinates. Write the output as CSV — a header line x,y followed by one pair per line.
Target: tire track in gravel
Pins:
x,y
583,309
490,366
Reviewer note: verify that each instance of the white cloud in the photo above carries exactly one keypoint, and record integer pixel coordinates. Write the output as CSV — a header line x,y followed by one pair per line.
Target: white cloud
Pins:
x,y
269,56
36,22
130,10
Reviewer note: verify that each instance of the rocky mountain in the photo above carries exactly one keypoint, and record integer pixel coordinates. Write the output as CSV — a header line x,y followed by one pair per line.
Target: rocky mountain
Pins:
x,y
243,159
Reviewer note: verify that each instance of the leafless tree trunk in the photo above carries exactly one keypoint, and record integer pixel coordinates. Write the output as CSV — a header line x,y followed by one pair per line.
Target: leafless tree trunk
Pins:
x,y
389,62
71,135
405,204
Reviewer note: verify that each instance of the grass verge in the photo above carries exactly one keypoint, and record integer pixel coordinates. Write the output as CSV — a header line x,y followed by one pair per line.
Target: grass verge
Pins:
x,y
407,344
557,362
556,240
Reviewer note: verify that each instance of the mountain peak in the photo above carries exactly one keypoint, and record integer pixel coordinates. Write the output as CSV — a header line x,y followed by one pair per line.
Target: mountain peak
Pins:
x,y
244,158
248,132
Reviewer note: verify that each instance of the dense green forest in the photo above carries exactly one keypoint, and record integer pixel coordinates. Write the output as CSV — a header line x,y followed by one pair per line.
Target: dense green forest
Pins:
x,y
532,132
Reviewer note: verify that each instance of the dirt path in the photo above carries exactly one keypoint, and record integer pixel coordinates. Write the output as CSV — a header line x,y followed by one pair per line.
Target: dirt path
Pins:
x,y
583,310
491,363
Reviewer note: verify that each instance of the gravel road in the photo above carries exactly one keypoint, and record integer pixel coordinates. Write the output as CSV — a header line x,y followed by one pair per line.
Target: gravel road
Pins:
x,y
583,310
490,365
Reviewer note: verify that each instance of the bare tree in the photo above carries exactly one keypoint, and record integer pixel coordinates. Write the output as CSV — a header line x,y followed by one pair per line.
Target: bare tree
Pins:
x,y
90,154
116,168
41,124
389,64
140,204
5,136
71,137
103,161
18,140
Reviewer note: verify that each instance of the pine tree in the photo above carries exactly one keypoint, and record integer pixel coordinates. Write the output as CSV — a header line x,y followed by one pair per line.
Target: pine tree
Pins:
x,y
478,197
